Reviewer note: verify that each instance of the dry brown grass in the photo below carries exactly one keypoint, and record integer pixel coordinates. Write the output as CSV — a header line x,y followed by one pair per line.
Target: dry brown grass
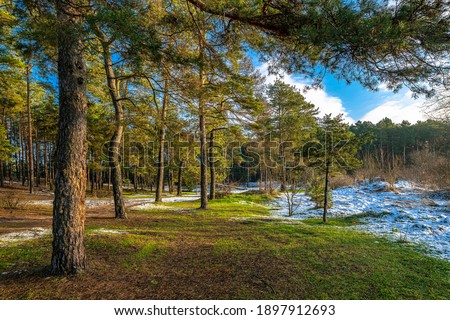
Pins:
x,y
429,169
341,180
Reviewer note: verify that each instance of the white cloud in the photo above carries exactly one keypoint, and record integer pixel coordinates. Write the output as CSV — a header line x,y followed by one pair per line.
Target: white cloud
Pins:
x,y
319,97
383,87
398,108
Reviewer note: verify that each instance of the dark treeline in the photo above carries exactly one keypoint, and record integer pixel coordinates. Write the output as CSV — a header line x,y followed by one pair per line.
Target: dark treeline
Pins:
x,y
419,151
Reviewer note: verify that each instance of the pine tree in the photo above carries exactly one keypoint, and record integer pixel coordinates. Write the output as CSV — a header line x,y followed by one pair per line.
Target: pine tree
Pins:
x,y
334,150
68,255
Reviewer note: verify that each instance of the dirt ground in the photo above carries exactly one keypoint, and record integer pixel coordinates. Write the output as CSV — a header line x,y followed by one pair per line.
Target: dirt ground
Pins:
x,y
29,214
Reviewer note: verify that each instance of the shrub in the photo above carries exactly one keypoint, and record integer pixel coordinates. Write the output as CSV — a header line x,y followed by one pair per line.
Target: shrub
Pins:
x,y
340,181
12,201
429,168
316,189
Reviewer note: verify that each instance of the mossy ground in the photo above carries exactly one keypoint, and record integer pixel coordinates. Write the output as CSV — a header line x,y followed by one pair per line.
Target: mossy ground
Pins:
x,y
233,250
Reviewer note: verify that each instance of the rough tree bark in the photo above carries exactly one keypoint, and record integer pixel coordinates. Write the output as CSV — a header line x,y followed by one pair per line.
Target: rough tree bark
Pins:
x,y
68,256
114,143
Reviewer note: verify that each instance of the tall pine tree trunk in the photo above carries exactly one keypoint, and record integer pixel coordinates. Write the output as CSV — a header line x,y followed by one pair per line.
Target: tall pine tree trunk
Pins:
x,y
162,137
115,142
68,256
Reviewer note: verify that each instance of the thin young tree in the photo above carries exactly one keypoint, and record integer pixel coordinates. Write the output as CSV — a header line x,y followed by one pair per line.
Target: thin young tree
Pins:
x,y
334,150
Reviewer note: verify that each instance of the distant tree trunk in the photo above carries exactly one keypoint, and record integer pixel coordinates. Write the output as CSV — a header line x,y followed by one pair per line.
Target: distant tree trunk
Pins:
x,y
281,150
30,131
135,179
180,179
68,256
212,168
114,144
270,180
325,201
37,160
260,178
202,128
100,180
170,180
381,155
45,164
2,177
109,178
22,150
162,137
92,181
283,169
1,174
203,161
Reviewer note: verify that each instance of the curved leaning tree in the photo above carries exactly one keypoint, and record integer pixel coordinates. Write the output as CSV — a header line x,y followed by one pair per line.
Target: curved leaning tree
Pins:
x,y
403,42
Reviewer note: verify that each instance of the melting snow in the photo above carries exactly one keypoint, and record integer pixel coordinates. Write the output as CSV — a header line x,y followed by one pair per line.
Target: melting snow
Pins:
x,y
33,233
112,231
93,203
407,211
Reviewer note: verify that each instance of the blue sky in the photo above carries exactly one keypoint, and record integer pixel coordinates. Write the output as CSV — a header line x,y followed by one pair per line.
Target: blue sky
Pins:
x,y
354,101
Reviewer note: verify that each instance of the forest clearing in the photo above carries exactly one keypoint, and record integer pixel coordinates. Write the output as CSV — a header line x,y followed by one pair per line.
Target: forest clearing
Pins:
x,y
236,249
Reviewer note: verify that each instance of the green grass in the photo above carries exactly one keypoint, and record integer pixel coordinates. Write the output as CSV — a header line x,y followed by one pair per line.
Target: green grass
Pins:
x,y
19,256
233,250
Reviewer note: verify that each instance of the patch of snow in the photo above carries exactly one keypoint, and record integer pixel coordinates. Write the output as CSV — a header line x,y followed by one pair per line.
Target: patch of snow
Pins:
x,y
190,197
33,233
152,206
43,203
111,231
94,203
412,213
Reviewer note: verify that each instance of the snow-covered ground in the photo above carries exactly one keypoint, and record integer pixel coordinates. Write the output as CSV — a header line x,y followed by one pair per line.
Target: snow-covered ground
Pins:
x,y
411,212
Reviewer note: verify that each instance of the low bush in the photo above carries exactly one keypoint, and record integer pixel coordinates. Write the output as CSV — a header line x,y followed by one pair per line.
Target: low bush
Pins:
x,y
12,201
